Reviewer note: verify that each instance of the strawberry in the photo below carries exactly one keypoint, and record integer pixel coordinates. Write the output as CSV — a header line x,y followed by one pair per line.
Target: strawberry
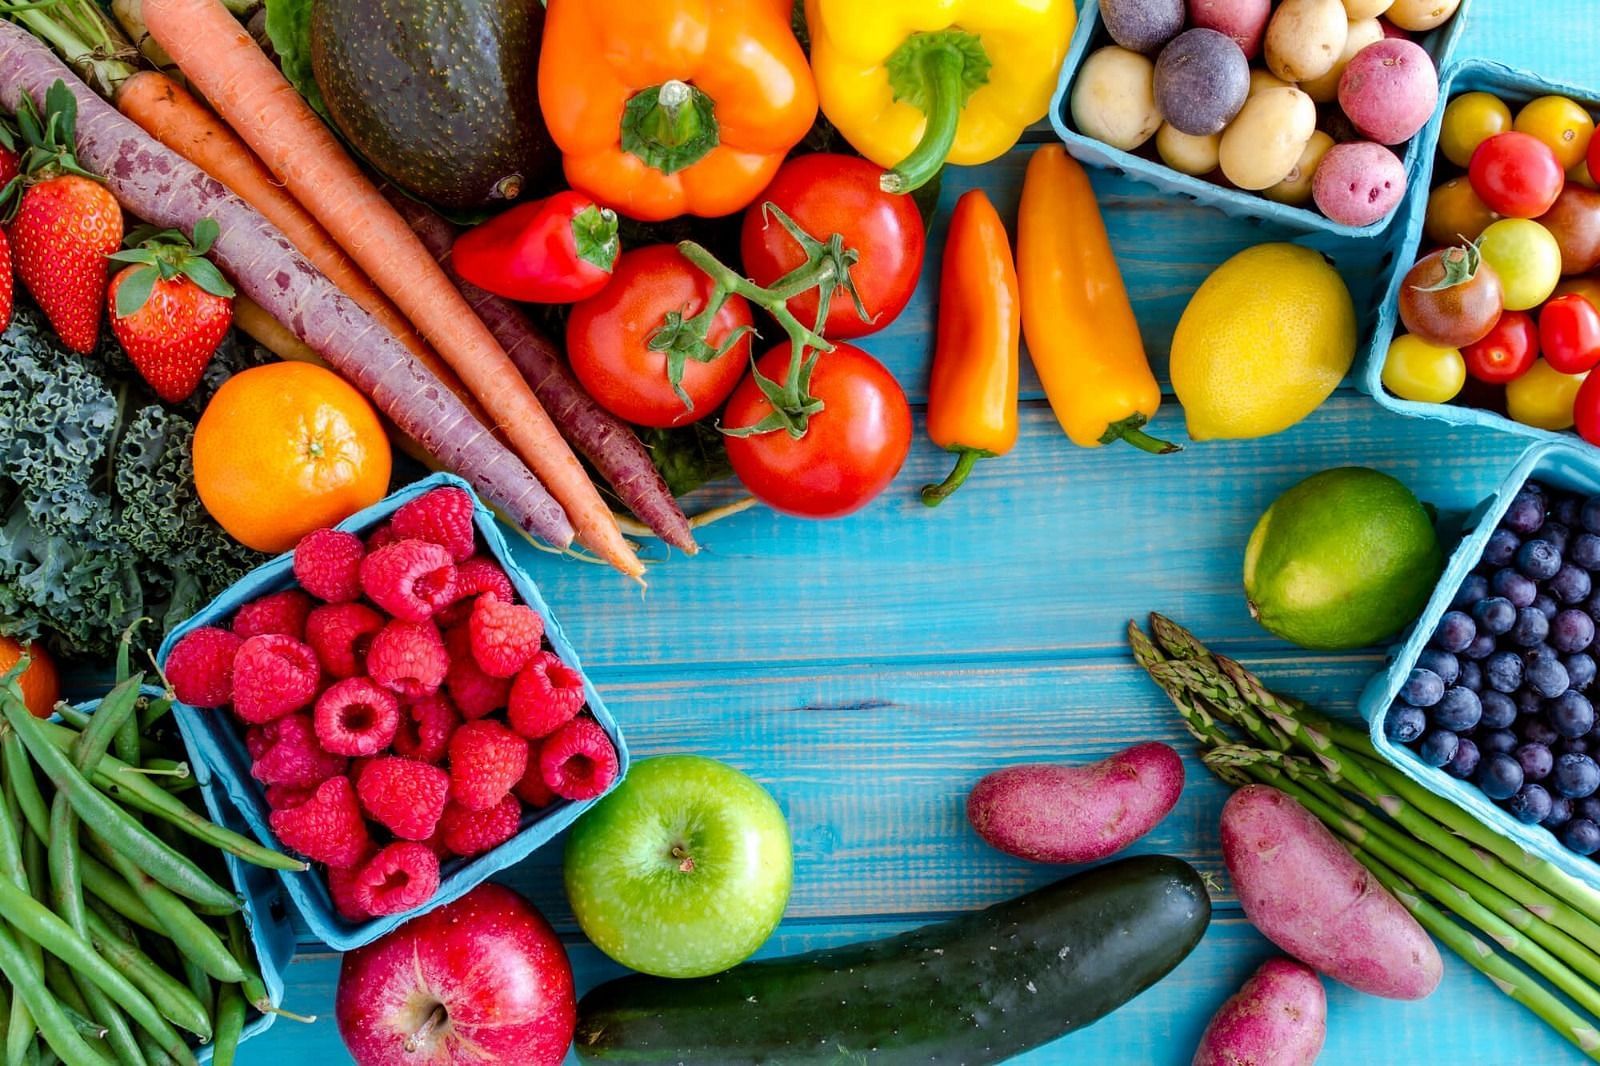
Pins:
x,y
170,308
5,282
66,222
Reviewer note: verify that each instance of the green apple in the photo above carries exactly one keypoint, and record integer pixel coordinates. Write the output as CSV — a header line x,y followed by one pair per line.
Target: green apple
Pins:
x,y
683,870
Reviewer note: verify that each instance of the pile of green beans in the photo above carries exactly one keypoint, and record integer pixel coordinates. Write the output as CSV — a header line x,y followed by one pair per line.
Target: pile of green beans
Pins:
x,y
118,944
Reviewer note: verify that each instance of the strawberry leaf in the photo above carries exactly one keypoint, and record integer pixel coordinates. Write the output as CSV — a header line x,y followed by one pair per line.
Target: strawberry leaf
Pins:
x,y
206,232
133,291
205,274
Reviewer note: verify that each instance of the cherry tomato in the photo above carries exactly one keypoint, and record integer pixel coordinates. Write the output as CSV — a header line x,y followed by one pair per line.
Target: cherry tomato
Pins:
x,y
1569,333
1450,297
1455,213
1561,124
1574,221
1516,174
609,339
1578,174
1526,257
1506,352
1469,120
1586,409
851,450
1543,397
1419,371
1593,156
826,194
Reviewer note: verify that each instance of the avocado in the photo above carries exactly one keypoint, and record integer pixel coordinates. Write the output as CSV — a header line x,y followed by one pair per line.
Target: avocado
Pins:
x,y
439,96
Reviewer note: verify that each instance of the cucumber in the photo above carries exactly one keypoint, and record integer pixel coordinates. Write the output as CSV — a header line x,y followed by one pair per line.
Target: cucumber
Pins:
x,y
979,988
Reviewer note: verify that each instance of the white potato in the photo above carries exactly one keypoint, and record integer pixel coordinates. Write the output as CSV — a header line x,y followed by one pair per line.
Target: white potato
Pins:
x,y
1261,78
1295,188
1114,98
1261,146
1360,34
1305,37
1186,152
1419,15
1356,10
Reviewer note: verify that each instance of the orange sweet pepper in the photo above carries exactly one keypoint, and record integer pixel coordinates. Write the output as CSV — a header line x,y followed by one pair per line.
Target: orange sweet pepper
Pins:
x,y
670,107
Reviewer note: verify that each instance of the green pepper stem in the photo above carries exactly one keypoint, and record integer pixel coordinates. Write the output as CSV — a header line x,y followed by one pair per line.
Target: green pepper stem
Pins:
x,y
943,71
934,495
1130,429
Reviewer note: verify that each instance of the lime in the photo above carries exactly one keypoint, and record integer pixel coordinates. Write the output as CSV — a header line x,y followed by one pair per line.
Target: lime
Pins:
x,y
1341,560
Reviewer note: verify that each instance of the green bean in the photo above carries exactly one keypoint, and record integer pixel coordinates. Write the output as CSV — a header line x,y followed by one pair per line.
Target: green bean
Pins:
x,y
182,925
58,979
230,1025
199,983
47,1057
177,1002
254,987
101,881
127,731
28,984
73,717
152,712
154,1055
19,772
19,1026
111,823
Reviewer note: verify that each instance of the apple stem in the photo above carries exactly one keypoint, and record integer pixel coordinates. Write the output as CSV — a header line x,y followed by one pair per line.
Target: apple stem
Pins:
x,y
435,1019
685,860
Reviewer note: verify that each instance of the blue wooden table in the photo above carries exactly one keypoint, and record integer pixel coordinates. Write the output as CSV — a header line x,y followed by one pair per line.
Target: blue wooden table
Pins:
x,y
868,671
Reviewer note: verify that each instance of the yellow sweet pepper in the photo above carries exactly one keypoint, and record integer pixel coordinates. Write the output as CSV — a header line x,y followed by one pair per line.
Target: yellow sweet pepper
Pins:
x,y
913,83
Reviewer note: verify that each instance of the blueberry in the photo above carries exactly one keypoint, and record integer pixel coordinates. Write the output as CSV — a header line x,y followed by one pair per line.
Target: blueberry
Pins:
x,y
1520,589
1503,671
1588,807
1571,714
1536,761
1501,740
1404,723
1530,805
1556,535
1580,670
1573,746
1571,584
1494,615
1589,516
1423,688
1455,632
1581,835
1526,512
1529,702
1499,776
1571,630
1567,510
1546,605
1438,747
1475,587
1471,677
1501,548
1499,710
1560,813
1575,776
1547,677
1535,730
1531,628
1465,761
1457,710
1584,550
1446,665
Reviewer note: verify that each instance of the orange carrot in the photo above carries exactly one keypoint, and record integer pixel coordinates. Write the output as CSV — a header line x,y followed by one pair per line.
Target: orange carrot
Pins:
x,y
226,65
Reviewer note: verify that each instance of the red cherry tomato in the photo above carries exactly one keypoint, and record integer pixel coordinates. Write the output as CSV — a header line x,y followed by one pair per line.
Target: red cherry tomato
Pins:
x,y
1586,409
1516,174
1569,334
826,194
851,450
1507,352
609,337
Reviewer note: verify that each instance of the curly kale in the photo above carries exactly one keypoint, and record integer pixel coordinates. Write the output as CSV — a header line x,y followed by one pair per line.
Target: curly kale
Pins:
x,y
99,520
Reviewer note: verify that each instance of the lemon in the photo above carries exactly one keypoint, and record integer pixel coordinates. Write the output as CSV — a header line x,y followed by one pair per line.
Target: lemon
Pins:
x,y
1341,560
1262,343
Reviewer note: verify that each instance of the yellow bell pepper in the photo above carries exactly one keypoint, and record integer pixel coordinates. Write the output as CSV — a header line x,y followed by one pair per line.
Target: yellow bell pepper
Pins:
x,y
912,83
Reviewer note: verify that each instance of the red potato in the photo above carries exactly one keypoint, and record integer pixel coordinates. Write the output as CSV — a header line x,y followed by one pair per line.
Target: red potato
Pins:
x,y
1311,898
1278,1018
1358,183
1243,20
1049,813
1389,90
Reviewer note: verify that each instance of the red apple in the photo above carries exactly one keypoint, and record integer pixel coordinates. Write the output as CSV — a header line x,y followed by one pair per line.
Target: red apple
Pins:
x,y
483,979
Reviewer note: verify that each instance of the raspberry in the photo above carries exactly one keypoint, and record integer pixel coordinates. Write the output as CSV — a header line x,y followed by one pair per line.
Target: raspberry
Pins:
x,y
408,659
277,612
400,877
436,843
340,633
356,717
273,675
486,759
410,579
468,832
531,789
425,728
327,827
578,760
342,887
475,577
475,693
281,796
327,563
406,797
381,537
292,756
546,694
256,741
442,517
201,666
504,635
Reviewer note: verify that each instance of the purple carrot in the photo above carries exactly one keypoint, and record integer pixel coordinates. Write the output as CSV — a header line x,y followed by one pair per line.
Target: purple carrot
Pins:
x,y
605,440
163,188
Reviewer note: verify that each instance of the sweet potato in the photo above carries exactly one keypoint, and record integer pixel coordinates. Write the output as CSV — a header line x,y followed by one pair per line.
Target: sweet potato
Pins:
x,y
1278,1018
1311,898
1050,813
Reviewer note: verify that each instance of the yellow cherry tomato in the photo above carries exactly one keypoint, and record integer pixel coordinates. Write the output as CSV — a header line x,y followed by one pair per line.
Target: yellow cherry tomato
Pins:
x,y
1585,285
1543,397
1469,120
1416,370
1560,123
1527,258
1456,213
1579,173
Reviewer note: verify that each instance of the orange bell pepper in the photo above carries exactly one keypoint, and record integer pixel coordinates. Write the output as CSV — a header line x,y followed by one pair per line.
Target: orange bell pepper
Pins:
x,y
670,107
972,399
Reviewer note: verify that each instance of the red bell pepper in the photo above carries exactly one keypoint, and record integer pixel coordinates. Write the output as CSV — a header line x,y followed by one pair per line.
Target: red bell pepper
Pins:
x,y
1569,334
553,251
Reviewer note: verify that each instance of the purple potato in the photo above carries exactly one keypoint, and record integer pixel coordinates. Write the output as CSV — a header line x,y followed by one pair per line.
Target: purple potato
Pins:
x,y
1202,79
1142,25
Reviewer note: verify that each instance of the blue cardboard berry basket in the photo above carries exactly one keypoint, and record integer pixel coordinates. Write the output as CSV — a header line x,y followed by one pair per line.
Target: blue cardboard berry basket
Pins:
x,y
1563,465
1145,166
216,743
1514,87
266,910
